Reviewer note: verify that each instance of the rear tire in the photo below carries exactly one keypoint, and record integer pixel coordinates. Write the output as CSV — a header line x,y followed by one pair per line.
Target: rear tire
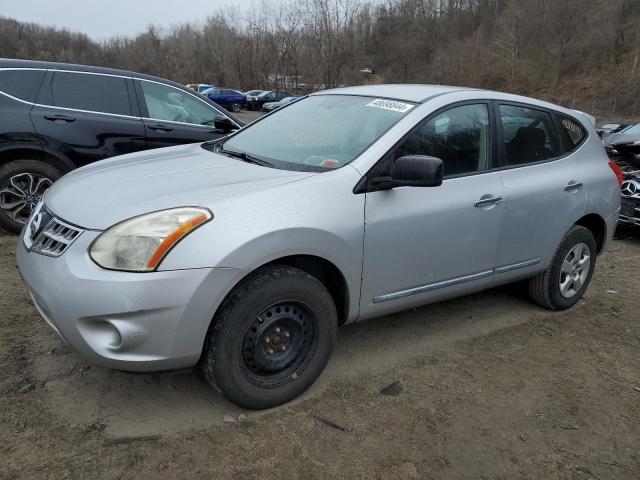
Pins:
x,y
568,276
22,184
271,339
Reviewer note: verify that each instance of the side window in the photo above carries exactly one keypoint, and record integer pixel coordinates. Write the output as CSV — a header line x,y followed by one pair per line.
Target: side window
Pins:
x,y
460,137
168,103
22,84
529,135
95,93
574,132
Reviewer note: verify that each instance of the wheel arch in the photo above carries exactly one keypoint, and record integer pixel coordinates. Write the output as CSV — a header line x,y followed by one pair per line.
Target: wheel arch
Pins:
x,y
328,274
598,227
321,268
30,153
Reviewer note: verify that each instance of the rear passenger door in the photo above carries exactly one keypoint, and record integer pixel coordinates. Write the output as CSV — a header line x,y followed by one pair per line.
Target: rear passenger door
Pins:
x,y
543,181
173,116
88,116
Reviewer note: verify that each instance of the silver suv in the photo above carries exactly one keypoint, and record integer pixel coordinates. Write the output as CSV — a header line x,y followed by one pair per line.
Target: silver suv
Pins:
x,y
244,255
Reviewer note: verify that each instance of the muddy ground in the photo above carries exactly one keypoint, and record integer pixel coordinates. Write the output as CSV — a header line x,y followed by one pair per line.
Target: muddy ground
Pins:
x,y
490,386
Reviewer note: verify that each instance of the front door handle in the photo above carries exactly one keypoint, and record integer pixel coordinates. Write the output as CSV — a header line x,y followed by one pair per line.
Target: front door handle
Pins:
x,y
58,117
487,201
573,186
161,127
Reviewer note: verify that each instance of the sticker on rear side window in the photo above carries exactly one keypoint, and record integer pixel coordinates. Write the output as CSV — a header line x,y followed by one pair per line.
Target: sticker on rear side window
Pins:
x,y
390,105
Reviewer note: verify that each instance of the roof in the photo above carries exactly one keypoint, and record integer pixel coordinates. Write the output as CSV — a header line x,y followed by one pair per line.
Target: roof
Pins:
x,y
12,63
407,92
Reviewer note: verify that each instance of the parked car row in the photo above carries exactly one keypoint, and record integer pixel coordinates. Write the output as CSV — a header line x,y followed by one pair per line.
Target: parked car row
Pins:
x,y
235,100
57,117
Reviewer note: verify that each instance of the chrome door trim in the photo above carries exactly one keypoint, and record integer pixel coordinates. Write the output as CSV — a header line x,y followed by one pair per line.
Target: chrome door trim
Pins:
x,y
114,114
454,281
432,286
516,266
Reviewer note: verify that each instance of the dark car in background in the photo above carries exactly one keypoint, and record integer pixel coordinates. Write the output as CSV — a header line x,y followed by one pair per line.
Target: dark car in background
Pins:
x,y
256,102
56,117
271,106
630,194
230,99
624,144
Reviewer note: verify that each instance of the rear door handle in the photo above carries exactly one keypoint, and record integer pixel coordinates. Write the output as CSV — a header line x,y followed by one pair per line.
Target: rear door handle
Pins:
x,y
161,127
573,186
487,200
63,118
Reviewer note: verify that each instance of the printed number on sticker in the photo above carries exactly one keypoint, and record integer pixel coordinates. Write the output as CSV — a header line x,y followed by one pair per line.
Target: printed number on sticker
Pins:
x,y
390,105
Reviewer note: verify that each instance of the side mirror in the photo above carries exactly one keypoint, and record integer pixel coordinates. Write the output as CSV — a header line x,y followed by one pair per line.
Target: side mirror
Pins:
x,y
225,124
413,171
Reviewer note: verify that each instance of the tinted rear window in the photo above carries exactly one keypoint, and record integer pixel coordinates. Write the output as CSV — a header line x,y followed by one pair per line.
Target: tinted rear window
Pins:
x,y
529,135
22,84
574,132
95,93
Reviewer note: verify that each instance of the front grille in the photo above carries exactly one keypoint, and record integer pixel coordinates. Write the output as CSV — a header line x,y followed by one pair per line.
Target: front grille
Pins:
x,y
55,238
48,235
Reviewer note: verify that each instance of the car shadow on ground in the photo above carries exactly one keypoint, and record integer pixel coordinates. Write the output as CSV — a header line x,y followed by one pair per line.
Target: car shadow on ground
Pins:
x,y
125,404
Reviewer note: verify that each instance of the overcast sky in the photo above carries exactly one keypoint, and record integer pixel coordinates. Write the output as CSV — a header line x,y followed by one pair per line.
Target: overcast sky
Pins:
x,y
101,19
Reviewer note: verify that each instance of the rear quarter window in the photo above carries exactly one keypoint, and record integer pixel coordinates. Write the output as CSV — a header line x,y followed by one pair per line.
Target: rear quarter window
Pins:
x,y
22,84
573,133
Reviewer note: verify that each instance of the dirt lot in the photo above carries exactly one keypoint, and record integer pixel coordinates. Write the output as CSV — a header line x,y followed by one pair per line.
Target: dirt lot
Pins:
x,y
490,386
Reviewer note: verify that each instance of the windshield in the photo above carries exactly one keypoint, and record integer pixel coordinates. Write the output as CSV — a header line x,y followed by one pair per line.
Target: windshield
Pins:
x,y
318,132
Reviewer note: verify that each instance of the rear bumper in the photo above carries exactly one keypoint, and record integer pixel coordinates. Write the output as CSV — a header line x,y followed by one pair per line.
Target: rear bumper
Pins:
x,y
122,320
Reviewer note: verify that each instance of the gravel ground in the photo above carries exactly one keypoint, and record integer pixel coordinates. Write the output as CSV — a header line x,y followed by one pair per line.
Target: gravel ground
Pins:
x,y
486,387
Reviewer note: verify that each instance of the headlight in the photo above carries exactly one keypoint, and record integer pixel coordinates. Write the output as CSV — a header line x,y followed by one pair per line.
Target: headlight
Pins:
x,y
141,243
637,142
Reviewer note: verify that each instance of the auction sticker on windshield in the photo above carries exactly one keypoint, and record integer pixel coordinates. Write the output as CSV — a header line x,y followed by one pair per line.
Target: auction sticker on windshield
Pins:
x,y
390,105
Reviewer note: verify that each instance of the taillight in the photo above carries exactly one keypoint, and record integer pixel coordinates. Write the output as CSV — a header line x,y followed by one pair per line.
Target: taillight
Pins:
x,y
616,169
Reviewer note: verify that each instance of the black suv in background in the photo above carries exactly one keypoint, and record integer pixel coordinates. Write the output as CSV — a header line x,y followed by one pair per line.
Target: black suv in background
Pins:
x,y
55,117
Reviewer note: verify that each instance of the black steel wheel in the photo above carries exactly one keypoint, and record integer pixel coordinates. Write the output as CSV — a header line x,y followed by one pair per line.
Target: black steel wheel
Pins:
x,y
271,338
277,344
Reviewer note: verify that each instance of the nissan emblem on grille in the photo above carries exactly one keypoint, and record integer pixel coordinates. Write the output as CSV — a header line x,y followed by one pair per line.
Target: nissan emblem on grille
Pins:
x,y
48,235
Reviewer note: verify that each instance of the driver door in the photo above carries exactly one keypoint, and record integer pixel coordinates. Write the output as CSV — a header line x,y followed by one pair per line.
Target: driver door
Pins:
x,y
172,116
425,243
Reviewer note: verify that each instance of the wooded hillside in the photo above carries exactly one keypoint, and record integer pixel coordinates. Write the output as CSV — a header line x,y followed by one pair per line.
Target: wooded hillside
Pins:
x,y
580,53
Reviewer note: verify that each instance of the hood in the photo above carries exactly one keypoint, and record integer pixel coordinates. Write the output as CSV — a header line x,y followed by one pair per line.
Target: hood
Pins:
x,y
107,192
621,139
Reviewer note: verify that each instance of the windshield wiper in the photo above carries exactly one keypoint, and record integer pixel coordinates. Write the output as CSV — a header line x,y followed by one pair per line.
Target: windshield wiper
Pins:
x,y
246,157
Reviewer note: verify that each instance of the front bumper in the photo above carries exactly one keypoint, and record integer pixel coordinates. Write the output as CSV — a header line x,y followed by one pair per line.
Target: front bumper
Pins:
x,y
123,320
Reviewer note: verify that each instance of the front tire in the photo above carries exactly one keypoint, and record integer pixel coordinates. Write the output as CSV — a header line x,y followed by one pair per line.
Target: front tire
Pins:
x,y
22,184
568,276
236,107
271,339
